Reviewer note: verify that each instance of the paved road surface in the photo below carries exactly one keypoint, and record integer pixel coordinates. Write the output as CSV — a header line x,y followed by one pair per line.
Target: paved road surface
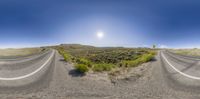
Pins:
x,y
47,76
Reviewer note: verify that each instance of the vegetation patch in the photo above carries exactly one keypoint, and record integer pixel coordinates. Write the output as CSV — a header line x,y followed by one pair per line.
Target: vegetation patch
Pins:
x,y
7,53
132,63
84,61
98,59
67,57
102,67
189,52
82,68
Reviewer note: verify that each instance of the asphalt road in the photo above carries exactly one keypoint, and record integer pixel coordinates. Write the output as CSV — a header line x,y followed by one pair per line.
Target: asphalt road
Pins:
x,y
182,71
22,72
47,76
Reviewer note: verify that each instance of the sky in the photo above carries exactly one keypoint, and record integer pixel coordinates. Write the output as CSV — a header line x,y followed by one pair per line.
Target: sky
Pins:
x,y
128,23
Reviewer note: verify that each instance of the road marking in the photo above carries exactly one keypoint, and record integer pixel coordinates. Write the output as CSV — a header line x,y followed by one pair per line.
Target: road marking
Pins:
x,y
28,75
186,75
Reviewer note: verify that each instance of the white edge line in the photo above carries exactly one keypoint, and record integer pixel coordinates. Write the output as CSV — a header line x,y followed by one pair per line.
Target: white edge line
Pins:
x,y
30,74
186,75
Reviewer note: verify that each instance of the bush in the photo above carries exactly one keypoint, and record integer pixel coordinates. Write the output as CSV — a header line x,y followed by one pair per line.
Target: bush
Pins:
x,y
146,57
84,61
103,67
82,68
60,51
67,57
152,52
132,63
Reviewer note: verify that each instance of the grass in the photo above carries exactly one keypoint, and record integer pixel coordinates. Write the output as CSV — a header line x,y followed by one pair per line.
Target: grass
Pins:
x,y
144,58
84,61
190,52
97,59
102,67
19,52
67,57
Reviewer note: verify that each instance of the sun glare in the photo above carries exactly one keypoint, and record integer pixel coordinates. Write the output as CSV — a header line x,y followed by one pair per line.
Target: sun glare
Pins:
x,y
100,35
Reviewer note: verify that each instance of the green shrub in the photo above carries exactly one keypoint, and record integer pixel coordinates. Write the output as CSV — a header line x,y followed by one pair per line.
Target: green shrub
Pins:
x,y
152,52
67,57
132,63
146,57
82,68
60,51
84,61
103,67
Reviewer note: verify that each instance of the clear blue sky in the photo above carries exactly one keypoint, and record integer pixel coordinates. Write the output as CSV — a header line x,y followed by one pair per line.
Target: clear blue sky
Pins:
x,y
132,23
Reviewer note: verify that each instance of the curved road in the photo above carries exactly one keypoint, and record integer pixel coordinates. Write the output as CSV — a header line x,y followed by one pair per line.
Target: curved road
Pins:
x,y
17,73
47,76
184,71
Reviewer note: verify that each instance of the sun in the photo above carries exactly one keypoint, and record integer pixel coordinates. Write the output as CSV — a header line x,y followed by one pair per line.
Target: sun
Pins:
x,y
100,35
